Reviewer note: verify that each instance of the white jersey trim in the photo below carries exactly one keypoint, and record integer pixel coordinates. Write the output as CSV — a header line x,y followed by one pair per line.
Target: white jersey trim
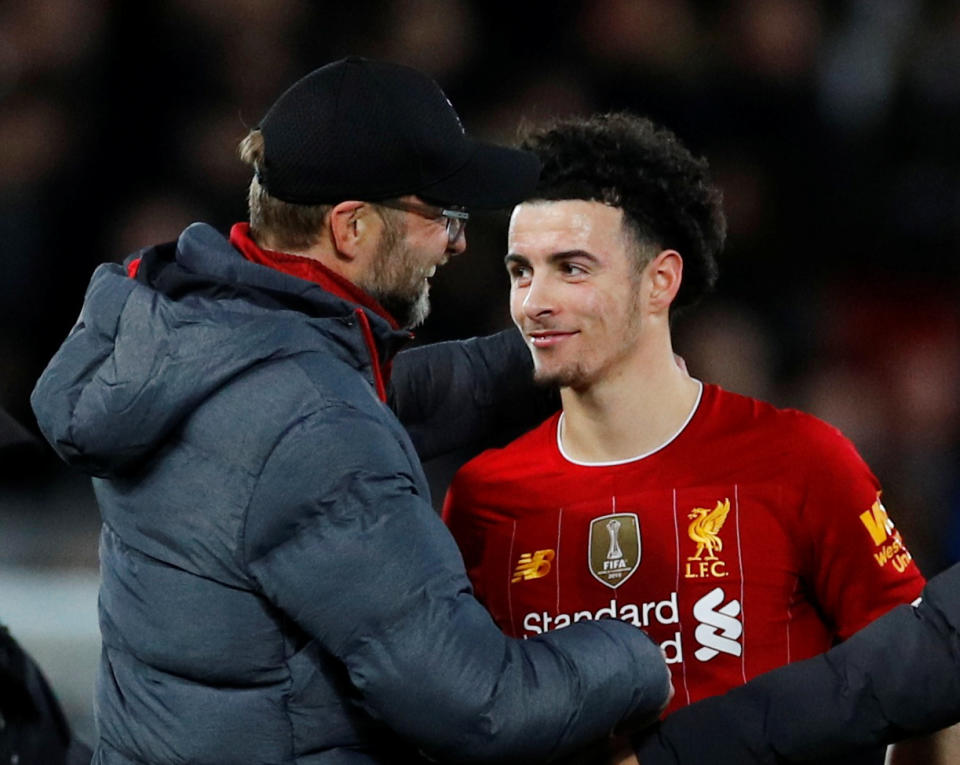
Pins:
x,y
683,426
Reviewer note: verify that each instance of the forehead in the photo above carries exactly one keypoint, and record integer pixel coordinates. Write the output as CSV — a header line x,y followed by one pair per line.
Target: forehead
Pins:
x,y
541,227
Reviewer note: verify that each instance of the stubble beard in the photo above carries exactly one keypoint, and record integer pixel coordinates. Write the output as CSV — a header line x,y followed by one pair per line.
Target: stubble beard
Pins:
x,y
570,376
397,282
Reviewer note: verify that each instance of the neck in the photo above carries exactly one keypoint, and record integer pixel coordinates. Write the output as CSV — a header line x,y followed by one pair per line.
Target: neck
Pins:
x,y
632,411
319,250
312,269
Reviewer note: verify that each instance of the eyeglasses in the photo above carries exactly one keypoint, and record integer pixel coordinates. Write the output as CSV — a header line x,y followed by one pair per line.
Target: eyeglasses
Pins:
x,y
456,219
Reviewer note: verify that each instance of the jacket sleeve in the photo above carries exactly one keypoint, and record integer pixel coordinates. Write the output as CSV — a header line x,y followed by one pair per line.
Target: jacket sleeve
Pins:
x,y
897,677
468,393
340,540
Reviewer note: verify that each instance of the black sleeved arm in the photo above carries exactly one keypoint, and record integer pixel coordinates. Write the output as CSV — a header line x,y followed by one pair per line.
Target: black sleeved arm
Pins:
x,y
458,394
898,677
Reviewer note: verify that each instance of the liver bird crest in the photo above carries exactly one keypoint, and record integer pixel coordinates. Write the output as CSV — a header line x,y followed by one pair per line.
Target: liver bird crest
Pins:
x,y
706,527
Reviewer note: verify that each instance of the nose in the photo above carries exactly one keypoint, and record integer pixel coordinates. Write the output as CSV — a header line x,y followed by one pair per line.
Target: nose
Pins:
x,y
538,300
458,245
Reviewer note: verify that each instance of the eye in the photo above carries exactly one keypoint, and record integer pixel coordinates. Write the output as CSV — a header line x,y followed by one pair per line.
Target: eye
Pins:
x,y
519,272
572,269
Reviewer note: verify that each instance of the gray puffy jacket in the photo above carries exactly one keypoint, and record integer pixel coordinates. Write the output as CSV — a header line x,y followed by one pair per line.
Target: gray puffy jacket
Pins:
x,y
276,587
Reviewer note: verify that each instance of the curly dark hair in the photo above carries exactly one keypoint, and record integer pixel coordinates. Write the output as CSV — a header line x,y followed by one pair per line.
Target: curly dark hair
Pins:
x,y
623,160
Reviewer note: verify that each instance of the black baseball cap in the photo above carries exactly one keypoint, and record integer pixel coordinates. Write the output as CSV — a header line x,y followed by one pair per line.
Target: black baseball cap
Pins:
x,y
364,129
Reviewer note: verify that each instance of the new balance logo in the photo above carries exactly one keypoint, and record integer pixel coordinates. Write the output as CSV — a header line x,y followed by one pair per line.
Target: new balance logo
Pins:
x,y
719,630
533,565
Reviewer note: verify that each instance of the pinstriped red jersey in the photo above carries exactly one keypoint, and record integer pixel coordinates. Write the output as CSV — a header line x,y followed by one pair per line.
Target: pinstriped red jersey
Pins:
x,y
755,537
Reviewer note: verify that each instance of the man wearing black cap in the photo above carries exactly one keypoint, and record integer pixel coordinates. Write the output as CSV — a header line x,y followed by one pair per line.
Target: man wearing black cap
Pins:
x,y
276,586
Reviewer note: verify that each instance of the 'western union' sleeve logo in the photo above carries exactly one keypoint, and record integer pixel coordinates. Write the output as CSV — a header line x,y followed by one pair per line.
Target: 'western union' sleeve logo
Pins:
x,y
533,565
885,536
877,522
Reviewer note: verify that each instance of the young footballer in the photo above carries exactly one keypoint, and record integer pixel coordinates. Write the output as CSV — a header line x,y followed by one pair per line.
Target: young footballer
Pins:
x,y
740,536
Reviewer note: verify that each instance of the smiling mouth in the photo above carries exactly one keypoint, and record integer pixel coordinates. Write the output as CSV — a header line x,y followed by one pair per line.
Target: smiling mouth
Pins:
x,y
549,339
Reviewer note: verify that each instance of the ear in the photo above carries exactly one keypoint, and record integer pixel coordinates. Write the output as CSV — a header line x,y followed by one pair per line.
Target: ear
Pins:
x,y
353,228
664,272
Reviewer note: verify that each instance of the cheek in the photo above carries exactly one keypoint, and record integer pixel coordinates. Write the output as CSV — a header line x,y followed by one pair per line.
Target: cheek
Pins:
x,y
516,305
591,306
437,238
427,243
605,313
595,304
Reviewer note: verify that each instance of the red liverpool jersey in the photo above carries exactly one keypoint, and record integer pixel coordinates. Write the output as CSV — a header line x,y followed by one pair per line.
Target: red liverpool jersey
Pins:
x,y
753,538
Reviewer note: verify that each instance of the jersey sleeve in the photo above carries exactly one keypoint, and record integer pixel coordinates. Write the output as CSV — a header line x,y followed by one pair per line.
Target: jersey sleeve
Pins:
x,y
858,564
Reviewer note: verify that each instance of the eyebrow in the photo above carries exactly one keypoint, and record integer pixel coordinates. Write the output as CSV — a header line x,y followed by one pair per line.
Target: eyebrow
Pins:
x,y
554,257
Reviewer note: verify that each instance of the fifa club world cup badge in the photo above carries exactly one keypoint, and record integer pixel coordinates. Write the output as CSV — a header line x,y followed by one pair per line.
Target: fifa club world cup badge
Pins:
x,y
614,549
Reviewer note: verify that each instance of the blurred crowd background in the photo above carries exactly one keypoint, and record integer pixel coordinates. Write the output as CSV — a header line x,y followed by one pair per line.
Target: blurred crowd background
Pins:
x,y
831,126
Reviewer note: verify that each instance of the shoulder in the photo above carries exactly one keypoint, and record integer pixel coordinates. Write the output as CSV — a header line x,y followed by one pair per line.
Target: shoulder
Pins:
x,y
335,461
794,429
334,430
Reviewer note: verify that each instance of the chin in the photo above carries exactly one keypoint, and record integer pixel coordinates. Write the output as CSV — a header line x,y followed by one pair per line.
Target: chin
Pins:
x,y
420,311
416,313
409,312
572,376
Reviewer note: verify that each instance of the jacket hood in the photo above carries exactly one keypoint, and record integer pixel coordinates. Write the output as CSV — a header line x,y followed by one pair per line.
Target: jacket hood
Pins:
x,y
146,352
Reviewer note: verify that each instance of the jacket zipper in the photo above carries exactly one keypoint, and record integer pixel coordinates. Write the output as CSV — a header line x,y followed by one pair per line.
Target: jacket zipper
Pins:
x,y
374,356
